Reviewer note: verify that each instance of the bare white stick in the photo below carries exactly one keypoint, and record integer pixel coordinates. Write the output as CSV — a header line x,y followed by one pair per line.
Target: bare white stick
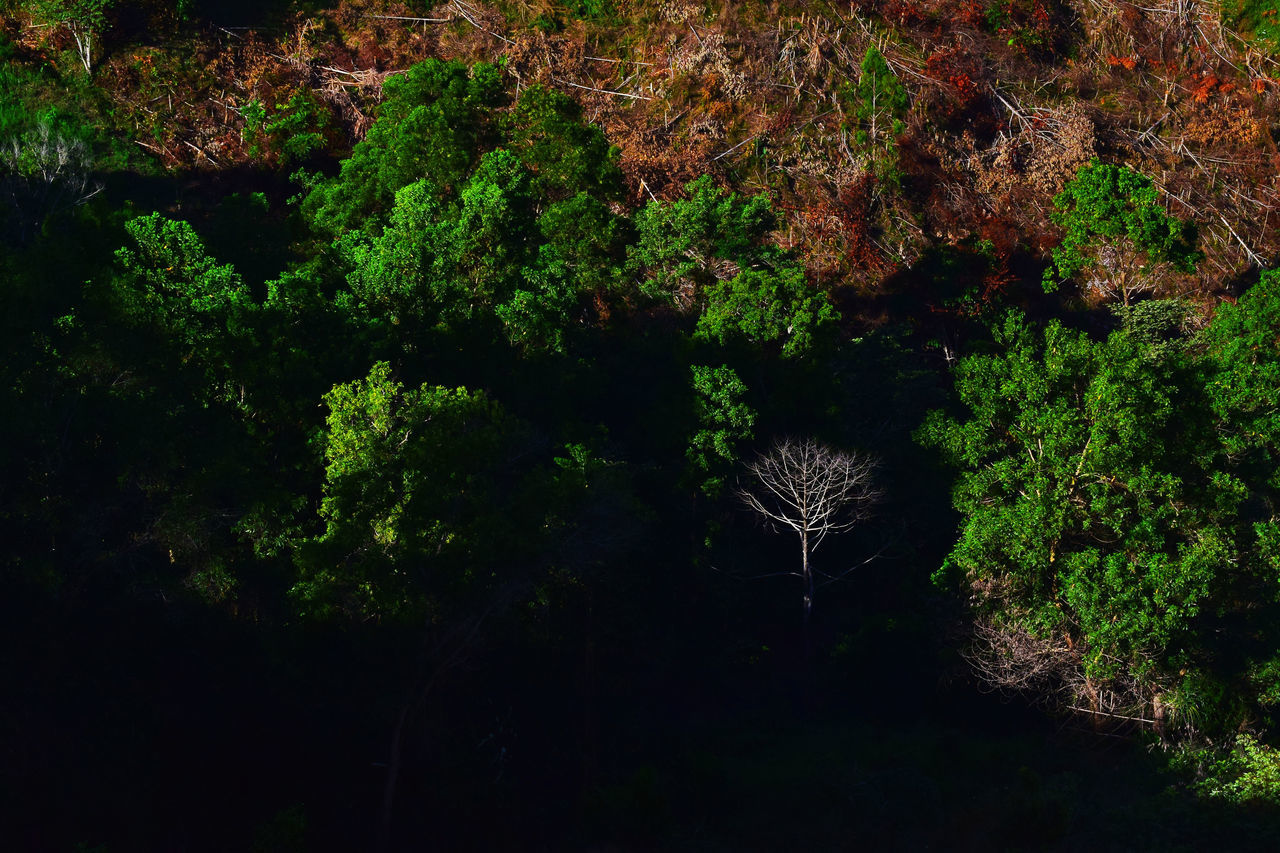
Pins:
x,y
602,91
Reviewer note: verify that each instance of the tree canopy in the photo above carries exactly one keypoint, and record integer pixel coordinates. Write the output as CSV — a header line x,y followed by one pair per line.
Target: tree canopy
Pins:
x,y
1101,508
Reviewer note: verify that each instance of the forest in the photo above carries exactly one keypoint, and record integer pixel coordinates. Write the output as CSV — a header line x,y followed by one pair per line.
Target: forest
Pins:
x,y
639,425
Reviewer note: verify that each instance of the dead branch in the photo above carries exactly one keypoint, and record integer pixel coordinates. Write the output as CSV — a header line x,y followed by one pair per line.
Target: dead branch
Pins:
x,y
415,20
734,148
601,91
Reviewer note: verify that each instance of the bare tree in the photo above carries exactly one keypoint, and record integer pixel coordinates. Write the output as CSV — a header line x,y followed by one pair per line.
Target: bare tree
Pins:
x,y
1048,669
43,173
813,490
1120,273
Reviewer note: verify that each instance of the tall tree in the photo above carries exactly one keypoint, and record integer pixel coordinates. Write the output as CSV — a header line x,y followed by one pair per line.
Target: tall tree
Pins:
x,y
408,487
1100,532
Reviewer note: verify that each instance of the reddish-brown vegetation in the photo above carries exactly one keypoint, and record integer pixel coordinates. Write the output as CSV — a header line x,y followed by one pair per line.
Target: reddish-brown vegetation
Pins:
x,y
1000,118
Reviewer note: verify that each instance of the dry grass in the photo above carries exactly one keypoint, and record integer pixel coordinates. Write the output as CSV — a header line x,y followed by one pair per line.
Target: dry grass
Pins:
x,y
1000,118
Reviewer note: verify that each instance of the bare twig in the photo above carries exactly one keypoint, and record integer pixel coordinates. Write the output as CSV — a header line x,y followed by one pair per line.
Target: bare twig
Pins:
x,y
602,91
617,61
415,20
1253,256
199,151
734,148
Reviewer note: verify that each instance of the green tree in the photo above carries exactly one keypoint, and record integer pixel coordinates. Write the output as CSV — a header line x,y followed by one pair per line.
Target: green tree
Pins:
x,y
768,306
493,237
582,256
874,108
683,245
1109,212
725,422
449,263
186,302
1247,774
1245,388
1242,363
436,121
289,132
1095,533
567,156
391,276
408,486
486,258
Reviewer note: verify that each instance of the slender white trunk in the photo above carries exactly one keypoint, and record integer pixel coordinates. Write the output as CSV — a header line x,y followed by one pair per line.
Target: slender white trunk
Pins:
x,y
806,575
84,47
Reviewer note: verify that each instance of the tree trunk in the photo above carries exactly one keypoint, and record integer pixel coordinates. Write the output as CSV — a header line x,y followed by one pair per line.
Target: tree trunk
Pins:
x,y
84,47
394,758
590,716
393,777
806,575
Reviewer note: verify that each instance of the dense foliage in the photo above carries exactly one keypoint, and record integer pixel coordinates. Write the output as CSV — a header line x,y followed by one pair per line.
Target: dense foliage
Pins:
x,y
1105,203
1102,506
